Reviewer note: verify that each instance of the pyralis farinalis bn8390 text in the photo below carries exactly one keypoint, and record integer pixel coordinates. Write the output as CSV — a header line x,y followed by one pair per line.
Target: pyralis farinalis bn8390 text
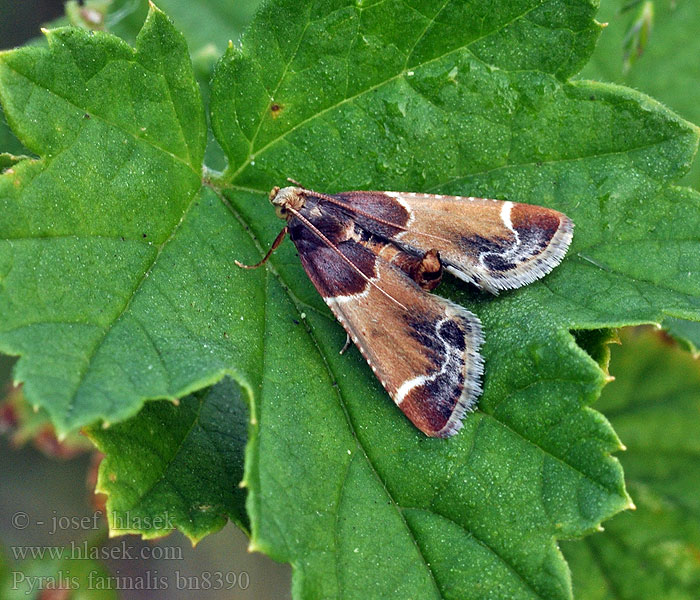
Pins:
x,y
375,256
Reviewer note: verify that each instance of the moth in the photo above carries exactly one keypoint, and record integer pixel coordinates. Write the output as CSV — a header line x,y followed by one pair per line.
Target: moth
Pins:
x,y
375,257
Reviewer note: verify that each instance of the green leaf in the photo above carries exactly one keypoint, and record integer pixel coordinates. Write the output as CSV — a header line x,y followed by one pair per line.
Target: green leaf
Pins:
x,y
686,332
433,96
668,69
7,161
346,102
207,25
176,466
81,270
638,33
652,552
8,142
204,23
596,342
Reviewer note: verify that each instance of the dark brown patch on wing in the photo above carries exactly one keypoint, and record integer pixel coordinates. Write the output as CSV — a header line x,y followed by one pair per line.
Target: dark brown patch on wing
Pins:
x,y
494,251
331,275
525,216
332,223
380,205
499,263
535,225
430,404
454,334
474,245
426,414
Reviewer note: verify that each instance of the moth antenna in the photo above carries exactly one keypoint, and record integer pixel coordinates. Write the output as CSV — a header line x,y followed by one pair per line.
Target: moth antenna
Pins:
x,y
330,244
295,182
368,215
275,245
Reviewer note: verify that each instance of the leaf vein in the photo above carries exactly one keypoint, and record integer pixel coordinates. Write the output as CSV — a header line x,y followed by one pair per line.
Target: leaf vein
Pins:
x,y
553,456
116,126
482,543
370,89
95,348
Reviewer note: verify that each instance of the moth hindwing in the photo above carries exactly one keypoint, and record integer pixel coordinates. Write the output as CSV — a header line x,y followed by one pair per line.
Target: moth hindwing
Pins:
x,y
375,256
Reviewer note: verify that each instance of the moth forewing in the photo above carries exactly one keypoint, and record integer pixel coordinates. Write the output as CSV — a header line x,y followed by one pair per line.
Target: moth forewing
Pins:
x,y
494,244
423,349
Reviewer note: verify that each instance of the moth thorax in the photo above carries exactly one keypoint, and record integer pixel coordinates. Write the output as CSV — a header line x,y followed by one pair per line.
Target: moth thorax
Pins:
x,y
285,198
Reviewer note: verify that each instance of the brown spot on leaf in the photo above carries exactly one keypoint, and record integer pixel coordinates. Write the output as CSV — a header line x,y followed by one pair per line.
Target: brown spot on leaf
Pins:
x,y
275,109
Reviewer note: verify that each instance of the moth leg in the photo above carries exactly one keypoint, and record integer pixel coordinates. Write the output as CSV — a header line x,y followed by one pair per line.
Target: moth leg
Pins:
x,y
275,244
347,344
425,271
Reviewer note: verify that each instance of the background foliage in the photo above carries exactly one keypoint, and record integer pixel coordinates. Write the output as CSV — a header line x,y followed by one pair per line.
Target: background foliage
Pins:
x,y
651,552
667,68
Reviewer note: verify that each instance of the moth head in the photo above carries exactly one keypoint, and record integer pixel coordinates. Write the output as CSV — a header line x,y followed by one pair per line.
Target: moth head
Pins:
x,y
286,198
